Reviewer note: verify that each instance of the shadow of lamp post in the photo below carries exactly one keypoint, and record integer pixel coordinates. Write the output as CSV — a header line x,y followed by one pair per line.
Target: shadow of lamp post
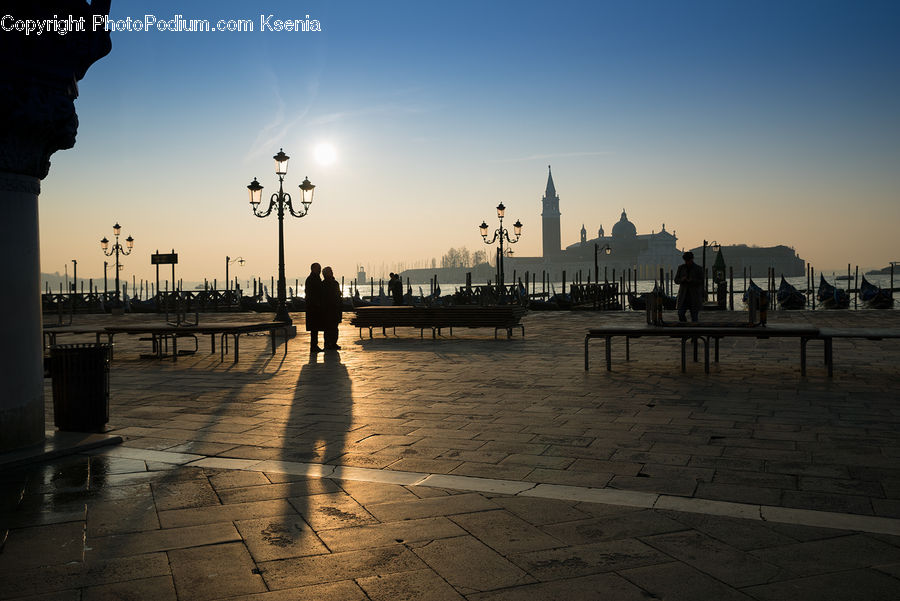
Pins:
x,y
280,201
501,233
117,250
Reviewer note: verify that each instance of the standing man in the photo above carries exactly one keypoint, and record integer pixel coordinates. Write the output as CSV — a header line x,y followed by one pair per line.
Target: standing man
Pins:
x,y
332,309
315,293
689,278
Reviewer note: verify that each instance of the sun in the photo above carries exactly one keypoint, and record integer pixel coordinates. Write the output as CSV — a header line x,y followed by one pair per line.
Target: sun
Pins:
x,y
325,154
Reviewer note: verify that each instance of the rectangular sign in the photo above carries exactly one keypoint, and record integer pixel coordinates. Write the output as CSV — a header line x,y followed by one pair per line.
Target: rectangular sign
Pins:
x,y
164,259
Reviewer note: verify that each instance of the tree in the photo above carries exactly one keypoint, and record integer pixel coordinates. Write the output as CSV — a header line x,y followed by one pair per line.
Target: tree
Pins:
x,y
479,257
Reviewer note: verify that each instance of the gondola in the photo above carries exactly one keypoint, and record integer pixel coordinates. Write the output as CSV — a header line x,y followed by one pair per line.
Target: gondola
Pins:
x,y
638,302
753,287
830,297
874,297
789,297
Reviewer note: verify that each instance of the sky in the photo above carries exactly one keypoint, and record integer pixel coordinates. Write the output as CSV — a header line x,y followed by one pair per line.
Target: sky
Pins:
x,y
763,122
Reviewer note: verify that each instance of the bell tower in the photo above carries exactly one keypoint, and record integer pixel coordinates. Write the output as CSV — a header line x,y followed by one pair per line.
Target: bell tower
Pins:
x,y
550,219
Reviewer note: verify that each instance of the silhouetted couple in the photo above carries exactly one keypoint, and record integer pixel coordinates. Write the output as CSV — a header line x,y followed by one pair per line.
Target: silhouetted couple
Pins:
x,y
395,288
323,308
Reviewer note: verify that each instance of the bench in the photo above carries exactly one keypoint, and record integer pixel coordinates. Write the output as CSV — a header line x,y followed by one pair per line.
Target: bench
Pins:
x,y
702,332
829,334
499,317
161,334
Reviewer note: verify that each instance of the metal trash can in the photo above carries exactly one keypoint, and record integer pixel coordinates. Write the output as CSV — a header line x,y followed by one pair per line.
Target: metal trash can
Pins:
x,y
80,374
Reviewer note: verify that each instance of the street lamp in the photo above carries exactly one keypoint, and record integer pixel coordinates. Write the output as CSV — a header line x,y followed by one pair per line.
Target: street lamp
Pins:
x,y
228,261
597,248
716,247
281,199
117,250
502,234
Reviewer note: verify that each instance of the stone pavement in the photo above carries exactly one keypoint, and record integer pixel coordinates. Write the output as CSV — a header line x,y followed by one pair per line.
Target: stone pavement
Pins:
x,y
469,468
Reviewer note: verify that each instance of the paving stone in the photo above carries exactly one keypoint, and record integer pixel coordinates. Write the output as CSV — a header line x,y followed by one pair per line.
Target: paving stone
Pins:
x,y
541,511
713,557
739,493
677,582
580,560
379,535
829,555
470,566
120,516
264,492
214,571
490,470
37,546
854,585
45,580
416,585
742,534
331,510
375,492
159,588
430,507
588,587
180,495
505,533
622,525
569,477
122,545
279,537
226,479
346,590
827,502
333,567
669,486
176,518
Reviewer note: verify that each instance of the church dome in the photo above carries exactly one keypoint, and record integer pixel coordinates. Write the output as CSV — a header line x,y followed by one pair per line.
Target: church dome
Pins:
x,y
624,228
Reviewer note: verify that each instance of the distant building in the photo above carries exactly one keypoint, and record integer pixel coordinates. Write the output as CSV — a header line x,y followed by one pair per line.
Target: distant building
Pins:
x,y
758,259
644,254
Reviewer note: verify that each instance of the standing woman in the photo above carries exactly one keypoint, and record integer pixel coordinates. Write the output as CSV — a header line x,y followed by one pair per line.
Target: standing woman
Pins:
x,y
314,307
332,309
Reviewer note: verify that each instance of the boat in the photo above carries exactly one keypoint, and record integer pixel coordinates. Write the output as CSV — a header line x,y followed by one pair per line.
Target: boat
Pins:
x,y
874,297
830,297
753,287
789,297
638,302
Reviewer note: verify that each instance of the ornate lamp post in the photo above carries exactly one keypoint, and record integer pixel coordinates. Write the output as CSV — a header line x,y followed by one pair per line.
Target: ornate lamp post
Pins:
x,y
715,248
281,200
597,248
502,234
228,261
117,250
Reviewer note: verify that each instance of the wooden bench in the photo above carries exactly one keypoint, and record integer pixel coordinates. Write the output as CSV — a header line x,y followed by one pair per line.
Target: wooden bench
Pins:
x,y
499,317
699,332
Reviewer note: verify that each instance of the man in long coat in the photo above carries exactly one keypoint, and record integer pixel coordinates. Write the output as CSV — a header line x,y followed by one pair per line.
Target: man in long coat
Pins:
x,y
332,309
689,278
315,297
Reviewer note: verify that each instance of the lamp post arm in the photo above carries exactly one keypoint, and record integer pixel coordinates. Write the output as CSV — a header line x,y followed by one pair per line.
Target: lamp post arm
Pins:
x,y
272,202
290,207
494,239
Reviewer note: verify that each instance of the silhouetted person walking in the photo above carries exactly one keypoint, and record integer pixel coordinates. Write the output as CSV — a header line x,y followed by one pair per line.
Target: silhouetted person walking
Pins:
x,y
315,302
332,311
689,278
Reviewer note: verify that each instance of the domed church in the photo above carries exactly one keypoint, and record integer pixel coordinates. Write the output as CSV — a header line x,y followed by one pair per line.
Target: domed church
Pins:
x,y
646,253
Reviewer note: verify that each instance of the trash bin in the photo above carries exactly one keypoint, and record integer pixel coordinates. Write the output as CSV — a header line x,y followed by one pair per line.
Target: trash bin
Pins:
x,y
80,374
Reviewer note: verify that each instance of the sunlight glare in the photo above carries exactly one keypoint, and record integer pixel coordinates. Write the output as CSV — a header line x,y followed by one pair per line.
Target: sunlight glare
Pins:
x,y
325,154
